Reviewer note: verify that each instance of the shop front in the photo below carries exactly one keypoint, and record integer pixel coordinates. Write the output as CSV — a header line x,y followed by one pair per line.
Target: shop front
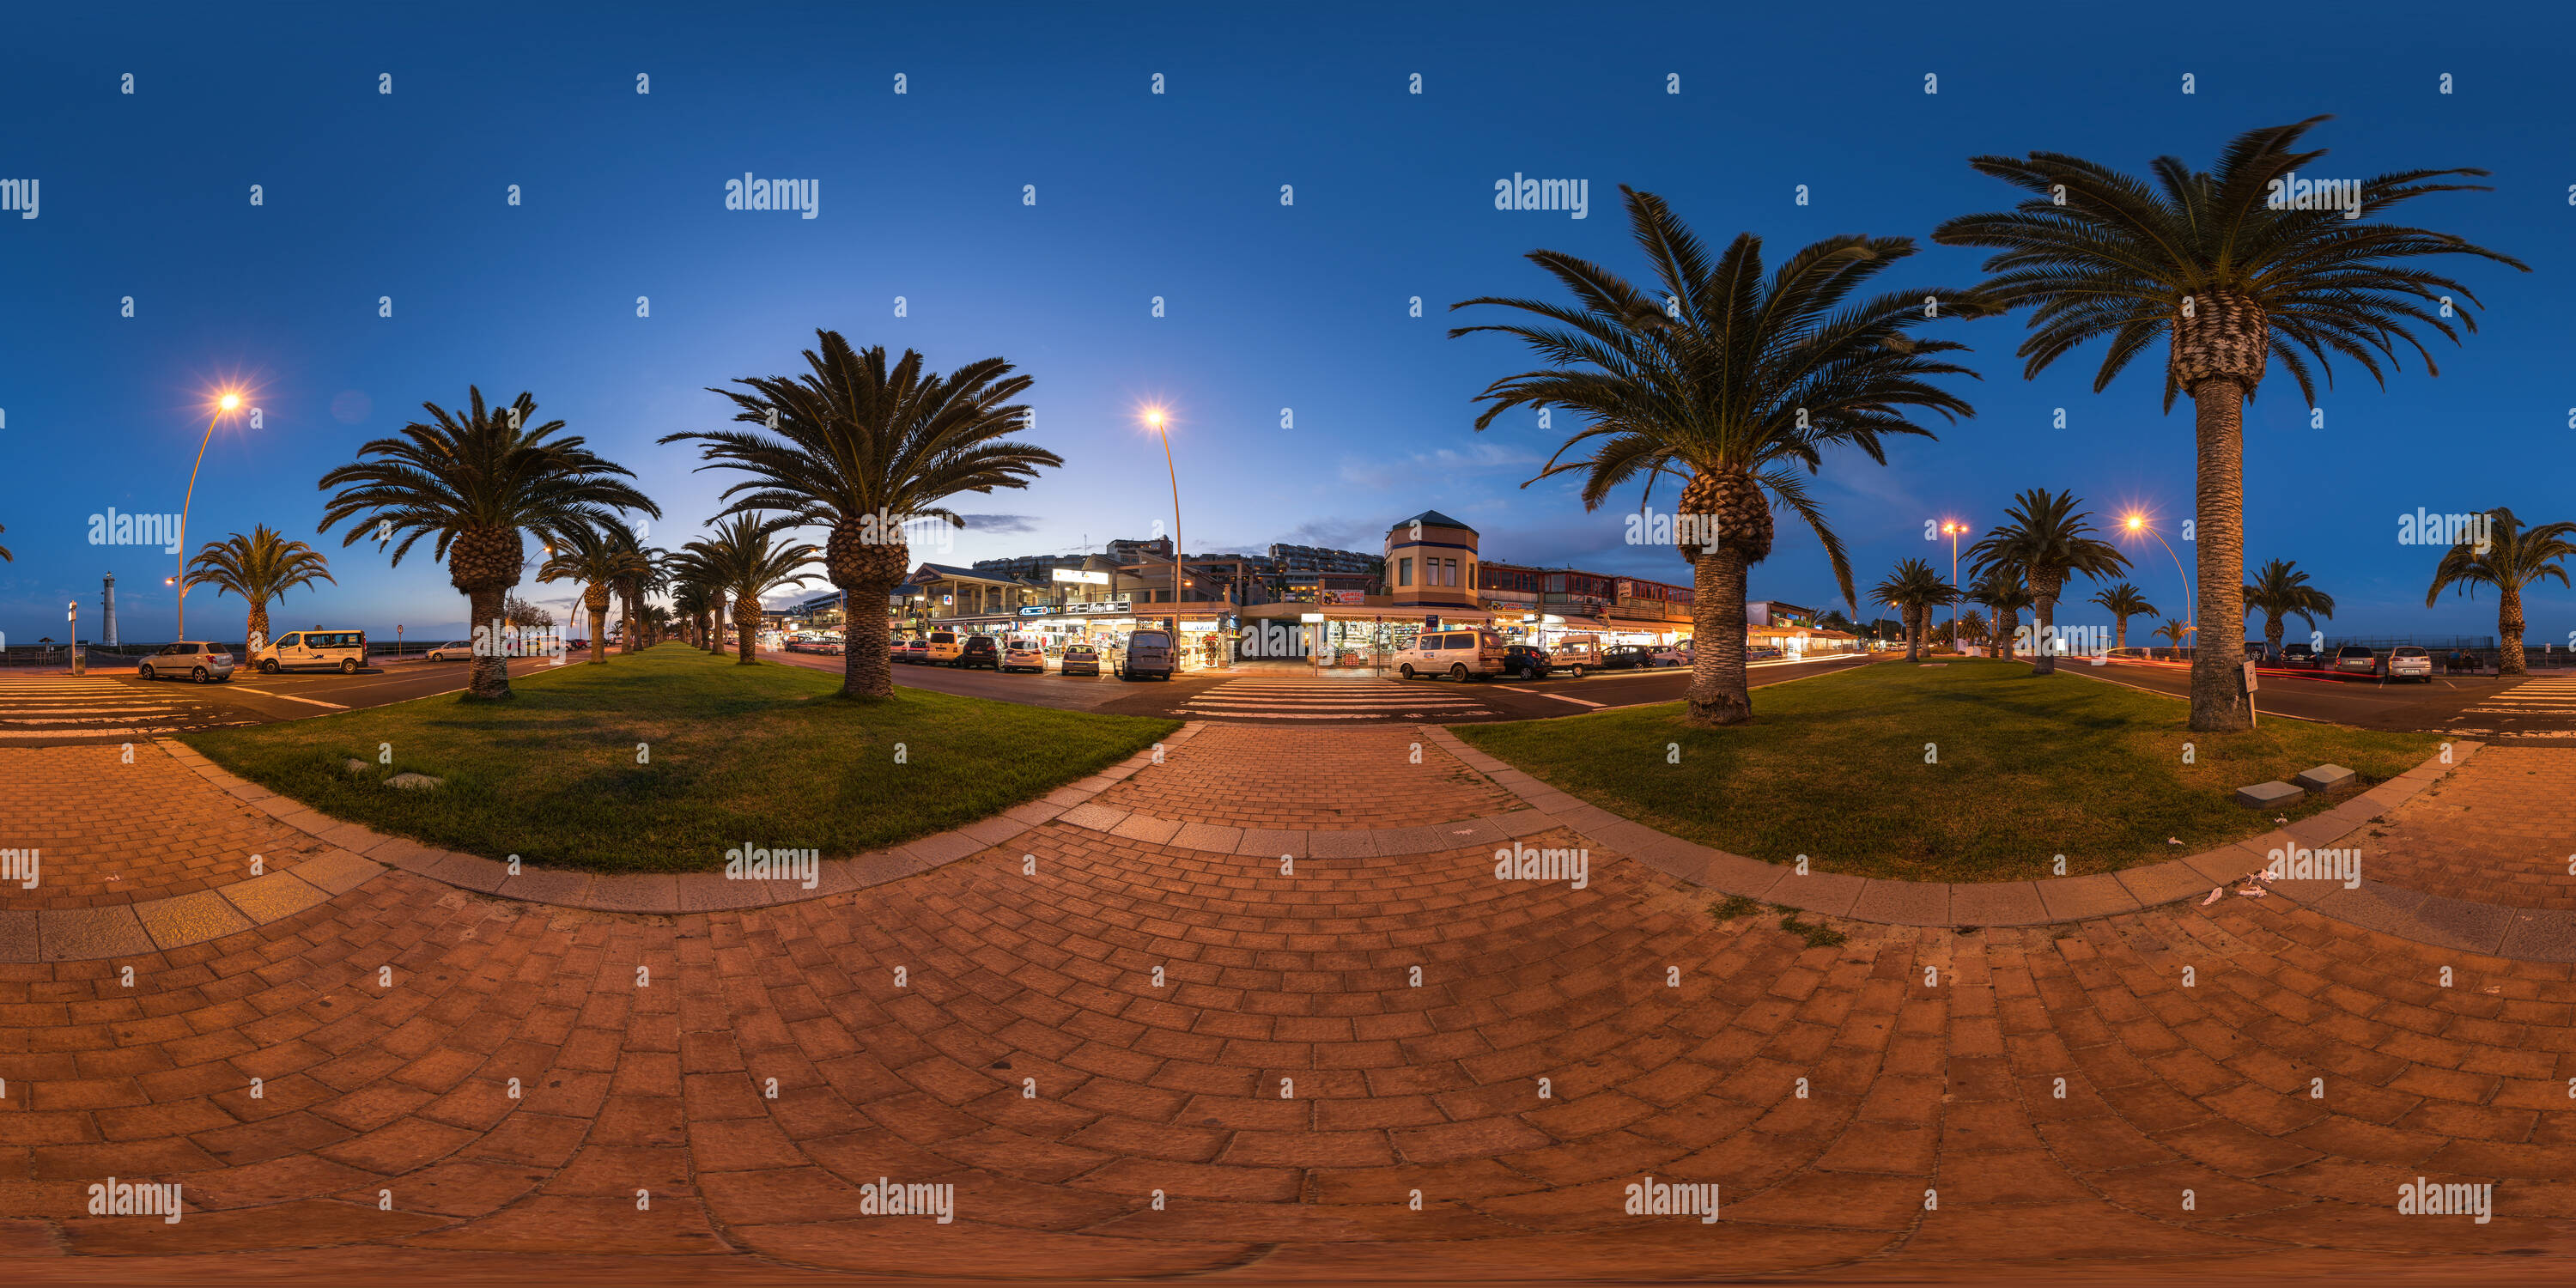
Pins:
x,y
1349,637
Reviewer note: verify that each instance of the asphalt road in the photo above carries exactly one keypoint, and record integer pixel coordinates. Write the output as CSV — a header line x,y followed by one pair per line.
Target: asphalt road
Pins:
x,y
106,706
2516,708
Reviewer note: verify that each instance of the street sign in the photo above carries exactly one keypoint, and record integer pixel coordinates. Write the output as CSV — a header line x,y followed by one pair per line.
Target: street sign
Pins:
x,y
2251,683
1431,621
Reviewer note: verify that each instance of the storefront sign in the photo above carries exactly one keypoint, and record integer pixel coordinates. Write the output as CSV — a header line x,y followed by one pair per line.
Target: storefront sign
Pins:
x,y
1081,577
1050,610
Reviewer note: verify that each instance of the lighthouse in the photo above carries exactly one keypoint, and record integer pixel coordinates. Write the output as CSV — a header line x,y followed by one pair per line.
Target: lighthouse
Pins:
x,y
107,604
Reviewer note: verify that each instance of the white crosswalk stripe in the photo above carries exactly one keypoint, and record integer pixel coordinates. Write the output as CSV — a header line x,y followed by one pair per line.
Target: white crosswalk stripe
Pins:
x,y
2542,708
81,708
1292,699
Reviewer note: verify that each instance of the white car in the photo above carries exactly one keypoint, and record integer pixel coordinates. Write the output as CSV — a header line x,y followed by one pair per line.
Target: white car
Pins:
x,y
1458,653
342,651
944,650
452,651
1020,653
1668,655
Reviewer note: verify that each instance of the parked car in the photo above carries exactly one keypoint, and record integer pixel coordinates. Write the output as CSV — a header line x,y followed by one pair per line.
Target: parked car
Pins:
x,y
1761,652
452,651
1024,653
1576,654
2409,662
1667,655
1525,662
342,651
1081,659
1458,654
813,644
979,650
2353,659
2299,655
943,649
1624,657
195,659
1149,656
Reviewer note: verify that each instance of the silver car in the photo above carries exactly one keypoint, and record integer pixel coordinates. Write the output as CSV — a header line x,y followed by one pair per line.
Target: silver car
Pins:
x,y
199,661
2410,662
2353,659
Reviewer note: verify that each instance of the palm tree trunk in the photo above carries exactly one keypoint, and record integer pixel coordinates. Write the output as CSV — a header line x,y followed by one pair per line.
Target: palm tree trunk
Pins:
x,y
2509,624
2218,655
2272,625
867,669
2043,611
626,638
716,621
1718,695
746,628
255,631
2123,644
488,675
599,637
1913,633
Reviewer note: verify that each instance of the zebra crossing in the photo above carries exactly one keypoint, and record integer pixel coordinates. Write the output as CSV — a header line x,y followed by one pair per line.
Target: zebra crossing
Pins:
x,y
64,709
2539,708
1291,698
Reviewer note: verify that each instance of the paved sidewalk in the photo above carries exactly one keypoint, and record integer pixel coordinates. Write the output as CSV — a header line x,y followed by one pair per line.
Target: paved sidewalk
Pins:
x,y
2502,831
1132,1057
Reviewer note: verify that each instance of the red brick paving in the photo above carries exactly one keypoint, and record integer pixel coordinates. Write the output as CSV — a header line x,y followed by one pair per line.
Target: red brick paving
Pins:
x,y
109,833
1299,981
2500,830
1246,775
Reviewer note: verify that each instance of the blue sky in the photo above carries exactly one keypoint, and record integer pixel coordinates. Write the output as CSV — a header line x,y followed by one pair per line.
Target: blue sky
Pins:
x,y
1266,306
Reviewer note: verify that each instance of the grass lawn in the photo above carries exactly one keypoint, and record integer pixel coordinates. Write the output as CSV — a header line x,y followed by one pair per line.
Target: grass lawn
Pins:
x,y
759,754
2029,768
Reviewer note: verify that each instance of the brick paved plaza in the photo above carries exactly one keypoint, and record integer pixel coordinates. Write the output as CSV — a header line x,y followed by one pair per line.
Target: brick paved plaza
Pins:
x,y
1919,1102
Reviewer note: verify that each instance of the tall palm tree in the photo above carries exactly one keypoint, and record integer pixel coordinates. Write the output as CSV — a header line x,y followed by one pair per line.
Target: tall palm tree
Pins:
x,y
1730,382
2514,557
688,569
2123,602
689,602
1914,589
2048,539
595,559
260,567
2000,588
639,574
748,564
2281,590
2202,260
862,449
1967,624
472,483
2175,628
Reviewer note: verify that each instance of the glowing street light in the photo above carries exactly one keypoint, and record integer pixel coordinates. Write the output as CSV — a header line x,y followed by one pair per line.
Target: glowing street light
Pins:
x,y
227,402
2135,523
1155,420
1953,527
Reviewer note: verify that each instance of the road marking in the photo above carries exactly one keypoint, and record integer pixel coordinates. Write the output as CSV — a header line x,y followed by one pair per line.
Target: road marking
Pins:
x,y
271,693
1558,696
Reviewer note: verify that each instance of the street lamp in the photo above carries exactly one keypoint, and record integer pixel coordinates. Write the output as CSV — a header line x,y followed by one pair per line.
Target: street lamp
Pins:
x,y
226,403
2136,523
1155,420
1953,528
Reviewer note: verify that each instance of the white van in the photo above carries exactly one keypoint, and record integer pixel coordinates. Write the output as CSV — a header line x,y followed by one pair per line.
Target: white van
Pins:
x,y
944,649
1456,653
342,651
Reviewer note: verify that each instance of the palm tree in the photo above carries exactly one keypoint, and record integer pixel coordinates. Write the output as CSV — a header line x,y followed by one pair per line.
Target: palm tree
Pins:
x,y
863,449
595,559
748,565
5,556
1914,589
2514,558
2175,628
690,572
2279,590
1731,383
689,604
1966,624
2046,537
260,567
639,573
2000,588
2123,602
473,483
2231,280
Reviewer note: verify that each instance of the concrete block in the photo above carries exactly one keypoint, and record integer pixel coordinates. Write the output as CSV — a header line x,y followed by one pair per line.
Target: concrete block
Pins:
x,y
2266,795
2325,778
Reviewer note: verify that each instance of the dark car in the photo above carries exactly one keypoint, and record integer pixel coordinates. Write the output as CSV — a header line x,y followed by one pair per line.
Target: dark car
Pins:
x,y
1525,662
2299,655
980,651
1622,657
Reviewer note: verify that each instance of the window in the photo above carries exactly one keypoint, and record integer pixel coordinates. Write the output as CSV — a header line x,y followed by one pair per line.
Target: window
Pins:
x,y
1404,572
1449,569
292,640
